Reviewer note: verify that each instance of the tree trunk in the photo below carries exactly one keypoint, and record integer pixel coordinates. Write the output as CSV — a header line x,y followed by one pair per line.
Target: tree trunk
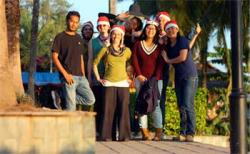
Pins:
x,y
7,93
33,49
13,27
228,63
204,65
112,6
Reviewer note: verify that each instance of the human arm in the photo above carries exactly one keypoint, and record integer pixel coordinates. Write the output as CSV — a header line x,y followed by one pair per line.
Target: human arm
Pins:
x,y
68,77
182,57
97,60
197,31
90,61
122,16
135,63
82,66
95,70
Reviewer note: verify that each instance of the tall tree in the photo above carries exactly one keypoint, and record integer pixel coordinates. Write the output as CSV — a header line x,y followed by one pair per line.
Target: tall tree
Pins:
x,y
7,91
13,27
112,6
33,48
246,33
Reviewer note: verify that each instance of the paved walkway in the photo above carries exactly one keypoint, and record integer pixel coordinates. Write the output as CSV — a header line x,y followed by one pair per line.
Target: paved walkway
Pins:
x,y
162,147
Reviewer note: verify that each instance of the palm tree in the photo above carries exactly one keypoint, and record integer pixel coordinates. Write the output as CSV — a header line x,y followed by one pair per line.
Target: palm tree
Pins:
x,y
7,96
33,48
246,33
13,27
112,6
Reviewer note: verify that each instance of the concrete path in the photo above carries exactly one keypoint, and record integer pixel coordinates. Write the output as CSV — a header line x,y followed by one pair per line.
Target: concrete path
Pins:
x,y
162,147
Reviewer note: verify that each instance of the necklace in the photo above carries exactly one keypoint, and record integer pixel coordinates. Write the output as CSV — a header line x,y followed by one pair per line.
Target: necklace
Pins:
x,y
118,52
148,50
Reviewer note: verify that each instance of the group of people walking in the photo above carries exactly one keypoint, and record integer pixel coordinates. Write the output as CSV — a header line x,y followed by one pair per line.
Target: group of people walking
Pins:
x,y
95,71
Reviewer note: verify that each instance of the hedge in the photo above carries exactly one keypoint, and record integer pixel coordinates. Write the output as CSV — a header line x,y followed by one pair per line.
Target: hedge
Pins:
x,y
172,114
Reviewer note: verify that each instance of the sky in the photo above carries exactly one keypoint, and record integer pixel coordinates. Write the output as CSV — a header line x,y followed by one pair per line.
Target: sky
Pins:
x,y
89,9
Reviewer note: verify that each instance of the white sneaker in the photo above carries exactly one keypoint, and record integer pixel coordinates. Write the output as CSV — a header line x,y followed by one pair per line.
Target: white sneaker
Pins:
x,y
163,136
136,135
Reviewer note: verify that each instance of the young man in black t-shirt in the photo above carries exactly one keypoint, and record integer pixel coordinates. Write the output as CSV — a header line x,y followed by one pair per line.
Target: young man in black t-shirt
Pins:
x,y
67,56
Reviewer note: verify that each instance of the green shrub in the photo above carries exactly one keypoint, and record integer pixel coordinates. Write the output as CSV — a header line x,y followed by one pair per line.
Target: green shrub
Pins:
x,y
220,124
204,126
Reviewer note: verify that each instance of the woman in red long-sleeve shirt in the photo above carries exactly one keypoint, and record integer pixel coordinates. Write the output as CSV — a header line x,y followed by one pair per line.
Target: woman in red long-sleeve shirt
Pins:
x,y
147,63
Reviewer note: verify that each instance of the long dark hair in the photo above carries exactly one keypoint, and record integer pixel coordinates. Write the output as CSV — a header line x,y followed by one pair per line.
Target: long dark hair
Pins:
x,y
144,36
140,24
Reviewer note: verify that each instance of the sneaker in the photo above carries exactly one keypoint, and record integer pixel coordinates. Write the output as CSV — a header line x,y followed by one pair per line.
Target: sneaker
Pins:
x,y
180,138
136,135
190,138
163,136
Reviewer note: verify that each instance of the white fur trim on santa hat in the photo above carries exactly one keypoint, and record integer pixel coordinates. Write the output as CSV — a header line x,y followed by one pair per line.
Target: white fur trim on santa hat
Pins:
x,y
171,25
151,22
103,23
118,29
164,16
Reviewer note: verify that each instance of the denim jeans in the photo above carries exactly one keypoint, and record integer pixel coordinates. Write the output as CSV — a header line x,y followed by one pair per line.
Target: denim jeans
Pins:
x,y
185,92
163,93
77,93
156,114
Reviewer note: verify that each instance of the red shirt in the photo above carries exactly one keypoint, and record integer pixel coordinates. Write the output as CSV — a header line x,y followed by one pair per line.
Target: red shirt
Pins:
x,y
147,64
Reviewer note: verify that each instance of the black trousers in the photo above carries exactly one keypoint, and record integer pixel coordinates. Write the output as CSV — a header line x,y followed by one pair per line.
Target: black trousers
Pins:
x,y
98,107
116,105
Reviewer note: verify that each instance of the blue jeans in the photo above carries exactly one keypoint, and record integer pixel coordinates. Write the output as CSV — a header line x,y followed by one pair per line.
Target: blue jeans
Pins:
x,y
185,92
77,93
163,93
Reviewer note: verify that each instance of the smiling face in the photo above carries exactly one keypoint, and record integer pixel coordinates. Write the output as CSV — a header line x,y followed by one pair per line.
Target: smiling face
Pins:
x,y
151,31
73,23
133,23
103,28
172,32
116,37
87,32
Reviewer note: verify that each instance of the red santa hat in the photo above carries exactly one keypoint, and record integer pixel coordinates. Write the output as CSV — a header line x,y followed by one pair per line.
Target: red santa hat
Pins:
x,y
151,22
89,23
119,28
102,20
163,14
171,23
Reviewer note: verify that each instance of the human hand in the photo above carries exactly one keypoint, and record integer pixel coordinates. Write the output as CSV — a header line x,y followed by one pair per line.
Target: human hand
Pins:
x,y
102,81
123,15
141,78
164,56
69,79
198,28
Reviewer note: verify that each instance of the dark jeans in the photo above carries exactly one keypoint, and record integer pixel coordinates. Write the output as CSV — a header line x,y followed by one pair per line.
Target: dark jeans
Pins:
x,y
185,92
163,93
